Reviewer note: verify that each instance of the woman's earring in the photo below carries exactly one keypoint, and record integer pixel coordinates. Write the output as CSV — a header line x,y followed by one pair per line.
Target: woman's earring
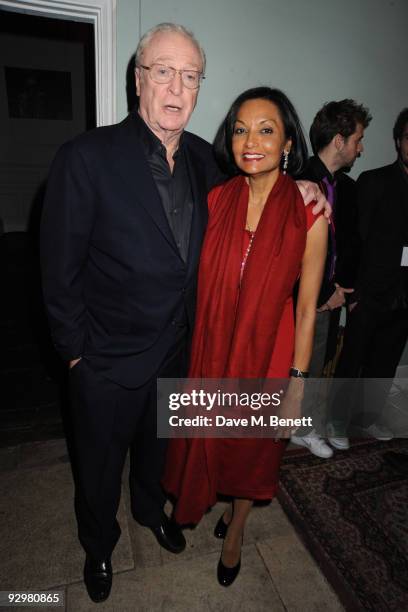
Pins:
x,y
285,161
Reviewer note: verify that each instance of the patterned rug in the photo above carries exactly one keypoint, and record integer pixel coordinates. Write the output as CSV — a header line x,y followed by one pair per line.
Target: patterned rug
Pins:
x,y
352,513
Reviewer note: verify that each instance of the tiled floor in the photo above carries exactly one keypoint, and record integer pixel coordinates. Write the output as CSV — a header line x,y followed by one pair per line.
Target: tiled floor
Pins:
x,y
39,550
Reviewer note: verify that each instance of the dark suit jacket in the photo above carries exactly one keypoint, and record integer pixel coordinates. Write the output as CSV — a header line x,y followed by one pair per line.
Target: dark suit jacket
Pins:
x,y
347,233
113,279
382,196
347,241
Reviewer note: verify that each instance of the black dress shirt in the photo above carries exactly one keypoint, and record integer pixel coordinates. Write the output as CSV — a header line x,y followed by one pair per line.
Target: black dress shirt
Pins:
x,y
174,188
344,242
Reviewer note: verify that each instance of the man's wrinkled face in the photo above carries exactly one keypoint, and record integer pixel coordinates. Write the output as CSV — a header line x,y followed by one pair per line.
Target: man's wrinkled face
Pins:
x,y
403,147
167,107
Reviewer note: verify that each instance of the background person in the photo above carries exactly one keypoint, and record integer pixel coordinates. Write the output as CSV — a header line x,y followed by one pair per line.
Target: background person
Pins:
x,y
377,332
336,135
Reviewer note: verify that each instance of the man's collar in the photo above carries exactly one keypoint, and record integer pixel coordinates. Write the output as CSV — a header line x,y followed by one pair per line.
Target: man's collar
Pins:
x,y
321,170
150,142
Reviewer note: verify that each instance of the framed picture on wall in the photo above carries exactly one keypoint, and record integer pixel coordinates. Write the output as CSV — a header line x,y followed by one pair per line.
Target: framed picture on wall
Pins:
x,y
34,93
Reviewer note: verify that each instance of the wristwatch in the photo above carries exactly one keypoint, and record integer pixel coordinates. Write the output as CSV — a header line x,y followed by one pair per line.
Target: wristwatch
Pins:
x,y
296,373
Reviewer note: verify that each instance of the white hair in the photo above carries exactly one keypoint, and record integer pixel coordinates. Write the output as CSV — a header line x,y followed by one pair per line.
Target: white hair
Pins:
x,y
168,27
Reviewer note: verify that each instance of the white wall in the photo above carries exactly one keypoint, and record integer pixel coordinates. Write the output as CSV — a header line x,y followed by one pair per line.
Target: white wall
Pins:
x,y
315,51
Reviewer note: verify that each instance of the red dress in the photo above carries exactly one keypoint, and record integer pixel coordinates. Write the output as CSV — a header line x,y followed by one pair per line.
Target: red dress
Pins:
x,y
247,468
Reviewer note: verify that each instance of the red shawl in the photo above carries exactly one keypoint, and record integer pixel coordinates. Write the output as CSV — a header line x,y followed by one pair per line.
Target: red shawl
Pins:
x,y
236,327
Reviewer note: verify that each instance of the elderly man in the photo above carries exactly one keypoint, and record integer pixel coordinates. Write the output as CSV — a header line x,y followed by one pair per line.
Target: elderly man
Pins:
x,y
123,224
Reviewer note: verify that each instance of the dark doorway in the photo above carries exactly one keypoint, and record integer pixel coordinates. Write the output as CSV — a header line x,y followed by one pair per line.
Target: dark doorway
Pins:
x,y
48,97
31,26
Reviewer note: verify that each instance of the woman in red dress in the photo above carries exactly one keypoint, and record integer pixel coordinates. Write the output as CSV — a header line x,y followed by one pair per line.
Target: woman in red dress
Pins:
x,y
260,240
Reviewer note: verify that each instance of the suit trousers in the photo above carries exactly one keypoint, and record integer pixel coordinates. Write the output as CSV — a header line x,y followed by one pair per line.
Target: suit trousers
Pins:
x,y
318,358
107,421
373,345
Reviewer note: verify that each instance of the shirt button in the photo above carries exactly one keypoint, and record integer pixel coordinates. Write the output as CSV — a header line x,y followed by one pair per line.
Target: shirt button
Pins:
x,y
175,211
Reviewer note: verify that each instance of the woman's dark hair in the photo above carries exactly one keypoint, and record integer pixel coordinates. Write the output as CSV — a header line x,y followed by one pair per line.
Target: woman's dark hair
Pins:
x,y
290,120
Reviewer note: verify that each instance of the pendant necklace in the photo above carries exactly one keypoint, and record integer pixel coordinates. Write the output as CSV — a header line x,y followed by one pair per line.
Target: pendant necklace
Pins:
x,y
248,250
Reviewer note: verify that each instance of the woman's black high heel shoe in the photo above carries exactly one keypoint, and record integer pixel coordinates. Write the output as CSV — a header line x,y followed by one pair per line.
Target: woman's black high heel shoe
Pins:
x,y
227,575
220,530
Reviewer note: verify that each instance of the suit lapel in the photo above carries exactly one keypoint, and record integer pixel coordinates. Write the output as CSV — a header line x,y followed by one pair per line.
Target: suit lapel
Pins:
x,y
200,210
133,167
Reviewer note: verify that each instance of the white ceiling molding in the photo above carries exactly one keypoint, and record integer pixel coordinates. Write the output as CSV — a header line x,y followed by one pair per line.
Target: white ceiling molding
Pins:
x,y
102,14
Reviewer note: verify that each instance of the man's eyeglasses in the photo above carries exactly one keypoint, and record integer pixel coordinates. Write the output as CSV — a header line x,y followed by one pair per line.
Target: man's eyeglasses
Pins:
x,y
159,73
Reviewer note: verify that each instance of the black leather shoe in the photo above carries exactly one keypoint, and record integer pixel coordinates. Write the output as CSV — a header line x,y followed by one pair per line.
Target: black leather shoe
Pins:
x,y
220,530
227,575
169,535
98,578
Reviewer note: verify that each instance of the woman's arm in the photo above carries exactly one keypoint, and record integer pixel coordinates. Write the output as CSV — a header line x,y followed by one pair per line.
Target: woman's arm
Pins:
x,y
310,281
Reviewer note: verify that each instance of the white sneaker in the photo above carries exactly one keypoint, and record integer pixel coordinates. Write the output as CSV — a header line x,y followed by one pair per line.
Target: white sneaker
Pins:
x,y
338,442
379,432
316,445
